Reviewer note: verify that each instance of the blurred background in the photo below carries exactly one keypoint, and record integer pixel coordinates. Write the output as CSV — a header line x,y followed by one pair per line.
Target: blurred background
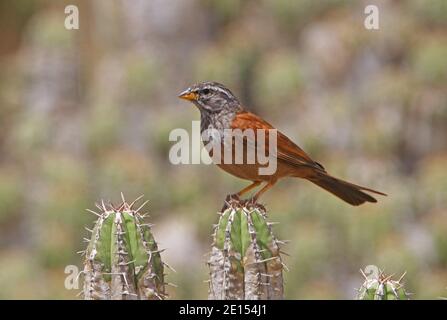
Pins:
x,y
85,114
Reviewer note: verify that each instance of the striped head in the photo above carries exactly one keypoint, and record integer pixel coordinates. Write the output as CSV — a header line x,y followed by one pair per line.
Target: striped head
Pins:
x,y
211,97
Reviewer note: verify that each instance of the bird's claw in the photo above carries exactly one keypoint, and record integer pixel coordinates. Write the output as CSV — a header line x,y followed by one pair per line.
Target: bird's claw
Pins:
x,y
233,199
252,203
229,200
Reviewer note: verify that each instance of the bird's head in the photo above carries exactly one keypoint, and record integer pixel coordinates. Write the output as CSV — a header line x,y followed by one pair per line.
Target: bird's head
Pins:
x,y
211,97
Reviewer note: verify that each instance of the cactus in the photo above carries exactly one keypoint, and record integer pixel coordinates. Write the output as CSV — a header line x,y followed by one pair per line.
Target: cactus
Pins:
x,y
122,261
245,260
382,287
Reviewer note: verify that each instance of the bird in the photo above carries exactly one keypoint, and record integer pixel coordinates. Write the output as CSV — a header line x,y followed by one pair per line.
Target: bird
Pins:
x,y
221,111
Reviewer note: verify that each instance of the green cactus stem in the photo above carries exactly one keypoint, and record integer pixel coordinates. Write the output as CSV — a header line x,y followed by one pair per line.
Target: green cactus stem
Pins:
x,y
122,260
382,287
245,260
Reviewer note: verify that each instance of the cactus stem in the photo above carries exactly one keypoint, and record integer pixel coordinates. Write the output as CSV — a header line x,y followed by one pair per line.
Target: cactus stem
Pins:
x,y
117,274
381,287
122,260
244,255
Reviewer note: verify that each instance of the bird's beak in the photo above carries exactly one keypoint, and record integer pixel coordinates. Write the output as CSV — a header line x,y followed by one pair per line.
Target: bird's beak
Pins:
x,y
188,95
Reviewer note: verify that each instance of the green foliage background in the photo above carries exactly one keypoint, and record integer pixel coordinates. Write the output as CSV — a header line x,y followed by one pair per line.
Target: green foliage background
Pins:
x,y
86,114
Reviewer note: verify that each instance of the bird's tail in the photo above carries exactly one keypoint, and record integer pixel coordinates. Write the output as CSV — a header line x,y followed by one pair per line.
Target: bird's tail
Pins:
x,y
349,192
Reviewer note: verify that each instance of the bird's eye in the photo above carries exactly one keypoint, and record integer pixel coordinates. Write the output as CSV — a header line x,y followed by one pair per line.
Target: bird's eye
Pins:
x,y
205,91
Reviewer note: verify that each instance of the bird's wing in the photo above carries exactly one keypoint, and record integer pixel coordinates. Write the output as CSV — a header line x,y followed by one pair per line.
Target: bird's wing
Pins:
x,y
287,151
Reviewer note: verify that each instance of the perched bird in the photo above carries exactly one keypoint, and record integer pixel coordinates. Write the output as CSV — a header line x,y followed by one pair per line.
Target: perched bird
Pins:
x,y
221,110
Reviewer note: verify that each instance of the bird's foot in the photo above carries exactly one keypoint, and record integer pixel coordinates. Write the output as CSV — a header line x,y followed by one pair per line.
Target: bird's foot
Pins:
x,y
252,203
230,200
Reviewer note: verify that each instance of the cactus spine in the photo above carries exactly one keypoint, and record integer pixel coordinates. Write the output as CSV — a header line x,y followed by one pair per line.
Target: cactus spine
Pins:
x,y
382,287
245,260
122,261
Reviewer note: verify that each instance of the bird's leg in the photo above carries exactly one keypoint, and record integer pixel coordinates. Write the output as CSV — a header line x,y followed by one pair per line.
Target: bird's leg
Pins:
x,y
236,196
248,188
252,201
